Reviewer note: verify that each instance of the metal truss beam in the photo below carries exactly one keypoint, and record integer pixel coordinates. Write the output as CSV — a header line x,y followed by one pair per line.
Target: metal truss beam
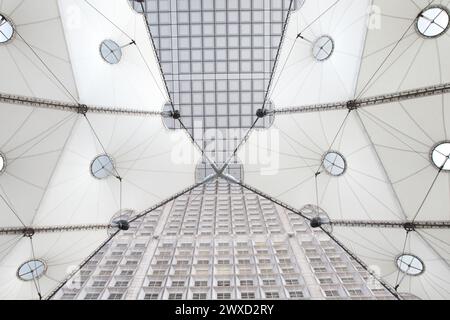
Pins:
x,y
366,102
73,107
30,231
408,225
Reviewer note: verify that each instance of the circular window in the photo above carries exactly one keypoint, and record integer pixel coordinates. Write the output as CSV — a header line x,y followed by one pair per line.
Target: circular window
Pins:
x,y
433,21
2,163
102,167
31,270
334,163
323,48
441,156
410,264
110,52
6,29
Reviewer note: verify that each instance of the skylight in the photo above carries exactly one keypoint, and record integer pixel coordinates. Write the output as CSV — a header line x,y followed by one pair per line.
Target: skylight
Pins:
x,y
31,270
441,156
323,48
433,21
2,163
110,52
334,163
410,264
6,29
102,167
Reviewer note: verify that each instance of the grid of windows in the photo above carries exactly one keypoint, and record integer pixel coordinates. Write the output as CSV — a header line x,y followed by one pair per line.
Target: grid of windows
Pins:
x,y
196,266
217,57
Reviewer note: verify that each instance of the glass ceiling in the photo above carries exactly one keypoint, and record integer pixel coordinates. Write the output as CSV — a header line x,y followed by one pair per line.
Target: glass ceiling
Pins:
x,y
217,57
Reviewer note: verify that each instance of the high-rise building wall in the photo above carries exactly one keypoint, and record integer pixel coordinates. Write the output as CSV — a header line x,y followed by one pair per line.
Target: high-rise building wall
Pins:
x,y
222,242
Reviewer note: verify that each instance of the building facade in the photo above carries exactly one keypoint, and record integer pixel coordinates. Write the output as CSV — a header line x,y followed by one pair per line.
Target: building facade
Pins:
x,y
222,242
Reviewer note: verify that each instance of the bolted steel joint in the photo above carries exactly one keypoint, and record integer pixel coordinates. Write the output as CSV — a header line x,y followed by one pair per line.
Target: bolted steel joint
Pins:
x,y
316,222
123,225
176,114
352,105
409,226
261,113
82,109
28,232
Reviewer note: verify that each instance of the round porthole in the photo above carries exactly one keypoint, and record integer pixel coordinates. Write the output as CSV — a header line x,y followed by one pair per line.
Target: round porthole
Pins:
x,y
334,163
440,156
102,167
6,29
31,270
410,264
323,48
110,51
2,163
433,22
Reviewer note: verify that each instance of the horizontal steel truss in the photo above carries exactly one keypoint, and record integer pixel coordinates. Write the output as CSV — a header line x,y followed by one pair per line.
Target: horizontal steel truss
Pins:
x,y
29,231
73,107
366,102
408,225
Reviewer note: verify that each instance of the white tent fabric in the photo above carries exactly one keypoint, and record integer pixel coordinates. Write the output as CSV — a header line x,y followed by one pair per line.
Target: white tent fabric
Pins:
x,y
47,180
412,63
38,29
389,174
299,80
135,82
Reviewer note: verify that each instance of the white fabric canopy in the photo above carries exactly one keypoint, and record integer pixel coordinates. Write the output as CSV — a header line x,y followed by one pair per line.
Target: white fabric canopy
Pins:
x,y
386,173
47,181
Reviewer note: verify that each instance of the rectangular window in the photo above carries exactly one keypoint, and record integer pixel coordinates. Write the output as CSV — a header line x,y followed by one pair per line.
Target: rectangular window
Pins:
x,y
223,283
272,295
355,292
175,296
248,295
269,282
177,283
291,282
155,284
296,294
223,295
331,293
325,281
115,296
68,296
91,296
99,283
201,283
199,296
121,284
151,296
247,283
